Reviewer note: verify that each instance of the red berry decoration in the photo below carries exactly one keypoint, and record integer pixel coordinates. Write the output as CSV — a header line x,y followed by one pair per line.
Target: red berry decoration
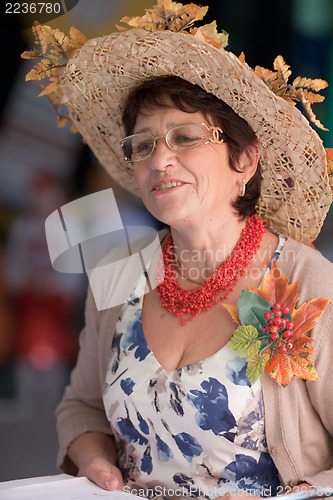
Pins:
x,y
278,314
288,333
274,329
285,310
282,349
276,307
290,345
289,325
267,316
278,322
274,336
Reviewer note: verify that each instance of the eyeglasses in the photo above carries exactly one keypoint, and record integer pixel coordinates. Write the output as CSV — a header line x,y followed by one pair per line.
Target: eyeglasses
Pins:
x,y
139,147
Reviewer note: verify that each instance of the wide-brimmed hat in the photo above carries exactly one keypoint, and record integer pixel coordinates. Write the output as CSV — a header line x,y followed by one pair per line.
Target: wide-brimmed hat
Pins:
x,y
97,77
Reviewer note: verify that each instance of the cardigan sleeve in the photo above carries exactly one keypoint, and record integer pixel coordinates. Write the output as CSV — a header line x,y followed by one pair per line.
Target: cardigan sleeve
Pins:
x,y
321,397
81,409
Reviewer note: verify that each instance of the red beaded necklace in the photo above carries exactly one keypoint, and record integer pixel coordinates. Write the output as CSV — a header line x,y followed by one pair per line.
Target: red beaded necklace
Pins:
x,y
187,304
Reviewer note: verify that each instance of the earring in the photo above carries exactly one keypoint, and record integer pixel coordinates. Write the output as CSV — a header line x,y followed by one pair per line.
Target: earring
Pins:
x,y
243,188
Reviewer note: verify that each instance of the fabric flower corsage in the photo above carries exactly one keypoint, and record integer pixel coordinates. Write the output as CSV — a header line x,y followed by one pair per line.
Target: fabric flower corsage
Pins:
x,y
272,330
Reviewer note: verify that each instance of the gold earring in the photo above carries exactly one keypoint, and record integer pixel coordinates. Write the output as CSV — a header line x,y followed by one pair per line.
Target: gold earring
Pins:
x,y
243,188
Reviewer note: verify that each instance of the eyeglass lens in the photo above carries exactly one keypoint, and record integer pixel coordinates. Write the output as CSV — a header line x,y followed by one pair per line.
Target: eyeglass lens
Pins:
x,y
180,138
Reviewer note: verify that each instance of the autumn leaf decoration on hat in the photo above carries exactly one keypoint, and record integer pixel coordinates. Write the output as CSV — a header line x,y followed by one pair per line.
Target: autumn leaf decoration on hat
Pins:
x,y
55,49
271,331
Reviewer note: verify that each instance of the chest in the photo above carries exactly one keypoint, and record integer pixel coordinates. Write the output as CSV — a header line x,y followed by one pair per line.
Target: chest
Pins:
x,y
175,345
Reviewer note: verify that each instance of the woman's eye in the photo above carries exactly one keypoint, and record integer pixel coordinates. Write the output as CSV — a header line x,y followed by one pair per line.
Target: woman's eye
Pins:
x,y
143,146
185,139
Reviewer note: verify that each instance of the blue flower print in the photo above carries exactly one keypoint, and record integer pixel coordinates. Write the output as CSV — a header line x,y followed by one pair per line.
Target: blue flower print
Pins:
x,y
127,385
146,462
142,424
136,338
235,371
187,444
130,433
252,475
212,405
164,452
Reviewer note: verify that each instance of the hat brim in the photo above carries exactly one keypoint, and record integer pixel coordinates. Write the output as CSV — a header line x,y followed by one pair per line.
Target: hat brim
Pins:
x,y
295,195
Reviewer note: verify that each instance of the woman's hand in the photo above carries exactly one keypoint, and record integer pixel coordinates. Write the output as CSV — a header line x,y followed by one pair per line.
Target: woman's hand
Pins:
x,y
95,456
102,473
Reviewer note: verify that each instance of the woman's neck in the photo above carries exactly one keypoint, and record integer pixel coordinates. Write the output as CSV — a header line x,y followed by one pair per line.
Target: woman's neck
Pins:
x,y
200,250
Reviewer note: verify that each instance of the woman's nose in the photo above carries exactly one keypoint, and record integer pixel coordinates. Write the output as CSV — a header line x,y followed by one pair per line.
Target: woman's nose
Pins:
x,y
162,155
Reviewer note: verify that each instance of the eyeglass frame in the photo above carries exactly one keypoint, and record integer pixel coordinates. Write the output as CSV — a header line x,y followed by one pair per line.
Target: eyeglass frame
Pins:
x,y
217,139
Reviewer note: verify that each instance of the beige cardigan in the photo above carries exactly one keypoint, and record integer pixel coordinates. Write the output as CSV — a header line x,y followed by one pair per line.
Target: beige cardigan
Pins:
x,y
298,418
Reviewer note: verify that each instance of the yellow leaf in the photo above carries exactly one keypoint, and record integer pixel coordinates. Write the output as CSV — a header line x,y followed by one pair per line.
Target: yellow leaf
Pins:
x,y
52,87
76,38
245,341
209,33
308,83
301,90
282,68
256,366
41,70
167,15
55,48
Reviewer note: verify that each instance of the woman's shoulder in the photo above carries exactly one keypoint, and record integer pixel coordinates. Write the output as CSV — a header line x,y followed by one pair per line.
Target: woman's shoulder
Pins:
x,y
306,264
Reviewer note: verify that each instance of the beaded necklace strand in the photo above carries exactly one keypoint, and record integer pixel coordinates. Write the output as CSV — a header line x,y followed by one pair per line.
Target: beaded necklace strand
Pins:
x,y
187,304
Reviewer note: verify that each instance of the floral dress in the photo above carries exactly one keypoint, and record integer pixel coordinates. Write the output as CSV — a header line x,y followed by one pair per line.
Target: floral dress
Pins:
x,y
196,431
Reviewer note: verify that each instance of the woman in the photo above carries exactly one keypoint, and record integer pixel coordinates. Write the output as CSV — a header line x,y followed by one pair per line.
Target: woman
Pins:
x,y
158,403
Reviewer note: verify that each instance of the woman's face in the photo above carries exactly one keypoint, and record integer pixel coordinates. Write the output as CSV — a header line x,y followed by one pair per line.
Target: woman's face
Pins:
x,y
205,184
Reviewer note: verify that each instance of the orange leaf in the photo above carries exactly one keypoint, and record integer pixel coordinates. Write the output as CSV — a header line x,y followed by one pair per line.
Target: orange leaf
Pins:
x,y
233,311
276,288
329,154
31,54
295,363
305,316
241,57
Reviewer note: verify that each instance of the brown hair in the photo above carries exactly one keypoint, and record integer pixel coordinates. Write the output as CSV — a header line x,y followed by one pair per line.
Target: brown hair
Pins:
x,y
166,91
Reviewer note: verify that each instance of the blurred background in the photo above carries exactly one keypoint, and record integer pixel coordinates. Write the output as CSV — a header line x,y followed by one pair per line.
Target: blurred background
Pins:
x,y
43,167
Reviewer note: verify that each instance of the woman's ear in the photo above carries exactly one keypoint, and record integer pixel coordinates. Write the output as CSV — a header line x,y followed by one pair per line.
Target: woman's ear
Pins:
x,y
248,162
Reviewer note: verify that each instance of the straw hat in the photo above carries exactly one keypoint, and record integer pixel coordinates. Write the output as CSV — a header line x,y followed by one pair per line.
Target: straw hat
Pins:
x,y
95,81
